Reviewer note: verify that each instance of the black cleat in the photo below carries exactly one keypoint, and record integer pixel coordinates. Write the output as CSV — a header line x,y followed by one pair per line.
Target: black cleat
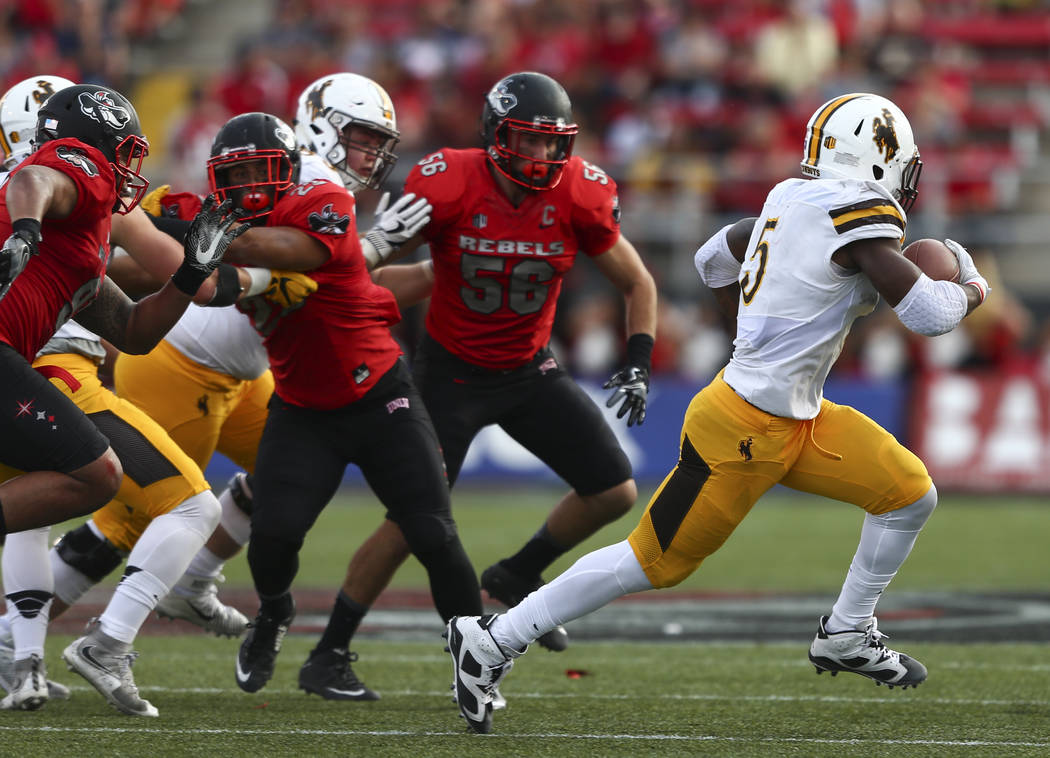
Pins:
x,y
258,653
329,675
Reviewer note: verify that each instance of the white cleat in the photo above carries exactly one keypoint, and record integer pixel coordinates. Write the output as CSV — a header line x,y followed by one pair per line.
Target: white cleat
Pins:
x,y
109,672
197,600
55,691
478,666
29,686
861,651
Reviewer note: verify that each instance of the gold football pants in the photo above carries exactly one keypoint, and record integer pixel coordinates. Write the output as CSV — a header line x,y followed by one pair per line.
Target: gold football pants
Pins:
x,y
200,409
732,452
158,475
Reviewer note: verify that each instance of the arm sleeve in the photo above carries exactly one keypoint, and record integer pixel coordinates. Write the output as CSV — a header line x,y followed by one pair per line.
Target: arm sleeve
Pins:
x,y
714,261
932,307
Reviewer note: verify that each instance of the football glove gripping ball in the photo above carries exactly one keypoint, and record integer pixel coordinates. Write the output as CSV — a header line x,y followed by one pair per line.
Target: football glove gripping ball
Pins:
x,y
17,250
631,385
394,226
211,233
968,273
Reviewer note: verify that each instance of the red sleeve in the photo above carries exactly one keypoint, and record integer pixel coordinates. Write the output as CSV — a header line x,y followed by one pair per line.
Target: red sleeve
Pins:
x,y
323,210
440,178
90,172
183,205
596,207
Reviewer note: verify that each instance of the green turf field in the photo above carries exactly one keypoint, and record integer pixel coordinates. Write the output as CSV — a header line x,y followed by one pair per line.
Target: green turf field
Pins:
x,y
635,698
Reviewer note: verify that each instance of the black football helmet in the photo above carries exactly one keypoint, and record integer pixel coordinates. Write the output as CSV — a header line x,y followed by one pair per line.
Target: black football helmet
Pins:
x,y
254,161
106,120
528,102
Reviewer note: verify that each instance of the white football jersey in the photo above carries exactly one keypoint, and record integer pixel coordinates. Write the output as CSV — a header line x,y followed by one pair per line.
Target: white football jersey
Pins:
x,y
797,306
71,337
312,166
222,339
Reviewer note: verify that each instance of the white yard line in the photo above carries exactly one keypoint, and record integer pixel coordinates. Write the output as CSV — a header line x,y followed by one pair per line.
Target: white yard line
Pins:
x,y
519,735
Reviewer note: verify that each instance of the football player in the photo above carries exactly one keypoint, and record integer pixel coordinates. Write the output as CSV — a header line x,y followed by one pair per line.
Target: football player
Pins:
x,y
89,150
822,252
508,222
346,132
342,393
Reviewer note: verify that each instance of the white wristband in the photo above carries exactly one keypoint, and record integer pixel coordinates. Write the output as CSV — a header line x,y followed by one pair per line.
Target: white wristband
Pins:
x,y
260,280
372,256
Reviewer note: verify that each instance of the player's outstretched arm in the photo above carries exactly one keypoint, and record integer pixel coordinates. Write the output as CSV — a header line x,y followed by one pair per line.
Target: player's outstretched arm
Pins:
x,y
622,266
136,328
410,282
278,247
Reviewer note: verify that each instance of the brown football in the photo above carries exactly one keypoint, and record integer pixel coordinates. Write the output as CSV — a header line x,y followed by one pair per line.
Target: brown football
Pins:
x,y
934,258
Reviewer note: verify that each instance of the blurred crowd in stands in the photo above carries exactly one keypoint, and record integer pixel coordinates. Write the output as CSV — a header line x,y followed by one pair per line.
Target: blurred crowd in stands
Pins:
x,y
695,107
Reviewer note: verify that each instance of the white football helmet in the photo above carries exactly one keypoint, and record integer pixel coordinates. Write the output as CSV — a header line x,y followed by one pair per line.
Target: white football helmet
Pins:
x,y
864,136
332,104
18,109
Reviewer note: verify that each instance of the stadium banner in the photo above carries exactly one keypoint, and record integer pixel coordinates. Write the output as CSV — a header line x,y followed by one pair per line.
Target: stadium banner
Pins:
x,y
984,432
495,458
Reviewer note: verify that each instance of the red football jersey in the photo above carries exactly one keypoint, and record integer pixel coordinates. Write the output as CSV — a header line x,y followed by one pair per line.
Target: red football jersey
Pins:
x,y
330,350
65,277
498,269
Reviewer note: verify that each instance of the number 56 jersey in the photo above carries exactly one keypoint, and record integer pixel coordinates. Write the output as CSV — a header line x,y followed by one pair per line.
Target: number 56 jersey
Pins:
x,y
498,268
796,304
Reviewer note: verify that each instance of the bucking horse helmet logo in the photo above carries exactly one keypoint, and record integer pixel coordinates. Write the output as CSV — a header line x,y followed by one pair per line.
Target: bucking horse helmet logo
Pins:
x,y
885,135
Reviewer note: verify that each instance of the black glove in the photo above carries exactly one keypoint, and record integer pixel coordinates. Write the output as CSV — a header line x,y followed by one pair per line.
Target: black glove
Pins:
x,y
210,234
632,386
18,249
632,381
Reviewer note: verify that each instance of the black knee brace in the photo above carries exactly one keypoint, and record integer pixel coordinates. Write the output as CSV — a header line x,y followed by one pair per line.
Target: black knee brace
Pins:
x,y
91,555
240,486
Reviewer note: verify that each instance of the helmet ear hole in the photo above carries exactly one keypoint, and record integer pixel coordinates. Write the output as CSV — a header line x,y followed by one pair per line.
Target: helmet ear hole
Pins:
x,y
877,172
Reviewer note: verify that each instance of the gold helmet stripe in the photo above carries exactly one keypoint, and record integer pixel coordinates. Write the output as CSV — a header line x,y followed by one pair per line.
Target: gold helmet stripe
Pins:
x,y
816,131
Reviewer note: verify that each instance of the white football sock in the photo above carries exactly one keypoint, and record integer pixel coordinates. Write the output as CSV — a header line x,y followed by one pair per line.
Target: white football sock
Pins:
x,y
158,559
27,569
594,581
205,564
885,542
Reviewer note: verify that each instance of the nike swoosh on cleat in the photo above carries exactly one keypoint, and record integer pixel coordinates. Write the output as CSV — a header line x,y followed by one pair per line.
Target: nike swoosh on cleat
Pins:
x,y
241,676
85,652
351,693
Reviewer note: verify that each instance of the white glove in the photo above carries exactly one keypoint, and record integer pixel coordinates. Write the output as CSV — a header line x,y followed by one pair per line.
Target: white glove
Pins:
x,y
968,273
394,226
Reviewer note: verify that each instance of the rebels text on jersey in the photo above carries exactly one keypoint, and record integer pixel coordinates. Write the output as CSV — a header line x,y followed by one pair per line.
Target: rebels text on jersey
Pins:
x,y
66,275
331,349
498,268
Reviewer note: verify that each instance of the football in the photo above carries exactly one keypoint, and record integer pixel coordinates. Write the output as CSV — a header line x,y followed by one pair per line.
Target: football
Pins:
x,y
934,258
